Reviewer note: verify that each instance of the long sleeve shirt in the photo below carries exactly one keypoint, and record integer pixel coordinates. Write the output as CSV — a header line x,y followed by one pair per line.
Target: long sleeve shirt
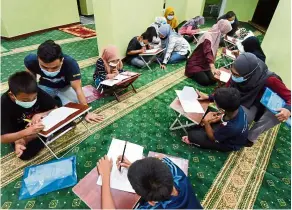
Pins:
x,y
200,59
176,44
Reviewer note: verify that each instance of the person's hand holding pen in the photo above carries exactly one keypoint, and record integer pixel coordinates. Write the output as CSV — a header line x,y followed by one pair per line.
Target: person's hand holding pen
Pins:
x,y
34,128
126,163
202,96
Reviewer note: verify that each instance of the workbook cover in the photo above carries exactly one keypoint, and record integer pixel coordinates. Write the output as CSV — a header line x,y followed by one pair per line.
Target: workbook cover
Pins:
x,y
273,102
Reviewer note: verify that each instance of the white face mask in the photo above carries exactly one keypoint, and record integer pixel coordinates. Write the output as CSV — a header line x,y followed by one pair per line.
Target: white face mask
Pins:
x,y
113,64
231,22
142,44
169,17
52,74
24,104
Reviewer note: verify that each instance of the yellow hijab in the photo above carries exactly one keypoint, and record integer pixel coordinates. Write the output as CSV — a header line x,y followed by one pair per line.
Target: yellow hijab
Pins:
x,y
174,22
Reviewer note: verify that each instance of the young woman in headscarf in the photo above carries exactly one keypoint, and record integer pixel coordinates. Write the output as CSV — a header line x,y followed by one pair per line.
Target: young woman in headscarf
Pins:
x,y
108,66
200,66
231,17
251,76
251,45
171,18
176,47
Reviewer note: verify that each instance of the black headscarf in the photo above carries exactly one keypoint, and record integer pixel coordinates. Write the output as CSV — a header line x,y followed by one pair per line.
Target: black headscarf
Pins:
x,y
256,72
252,45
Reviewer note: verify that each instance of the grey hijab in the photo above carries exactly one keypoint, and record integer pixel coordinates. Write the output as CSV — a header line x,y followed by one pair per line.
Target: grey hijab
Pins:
x,y
256,72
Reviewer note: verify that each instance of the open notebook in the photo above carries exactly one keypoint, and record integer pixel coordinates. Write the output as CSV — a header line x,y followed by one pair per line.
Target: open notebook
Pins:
x,y
56,116
119,180
188,98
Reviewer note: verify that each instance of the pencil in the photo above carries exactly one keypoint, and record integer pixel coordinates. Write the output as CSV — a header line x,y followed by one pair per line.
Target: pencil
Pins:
x,y
27,120
120,169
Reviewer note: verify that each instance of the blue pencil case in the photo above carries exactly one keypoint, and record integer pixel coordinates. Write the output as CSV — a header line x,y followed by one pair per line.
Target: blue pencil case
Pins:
x,y
48,177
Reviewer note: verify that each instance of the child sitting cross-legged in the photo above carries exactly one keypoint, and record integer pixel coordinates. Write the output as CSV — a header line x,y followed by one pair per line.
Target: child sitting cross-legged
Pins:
x,y
225,130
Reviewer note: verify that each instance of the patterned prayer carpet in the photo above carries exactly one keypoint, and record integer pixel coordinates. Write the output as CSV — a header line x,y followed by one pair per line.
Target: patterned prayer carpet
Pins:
x,y
256,177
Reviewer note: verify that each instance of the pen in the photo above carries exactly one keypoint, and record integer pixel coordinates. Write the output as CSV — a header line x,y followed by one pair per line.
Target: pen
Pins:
x,y
120,169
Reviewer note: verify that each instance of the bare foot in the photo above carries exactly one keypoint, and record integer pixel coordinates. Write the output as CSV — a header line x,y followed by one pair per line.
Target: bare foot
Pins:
x,y
185,139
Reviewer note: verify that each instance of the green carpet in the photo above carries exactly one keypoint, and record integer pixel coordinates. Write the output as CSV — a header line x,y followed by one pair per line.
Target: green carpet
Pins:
x,y
146,121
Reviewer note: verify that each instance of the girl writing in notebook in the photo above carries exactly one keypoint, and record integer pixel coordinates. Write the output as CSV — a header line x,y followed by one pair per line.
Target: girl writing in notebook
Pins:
x,y
108,66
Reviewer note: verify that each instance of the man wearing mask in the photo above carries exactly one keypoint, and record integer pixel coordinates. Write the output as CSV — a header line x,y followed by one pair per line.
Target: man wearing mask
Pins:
x,y
231,17
59,75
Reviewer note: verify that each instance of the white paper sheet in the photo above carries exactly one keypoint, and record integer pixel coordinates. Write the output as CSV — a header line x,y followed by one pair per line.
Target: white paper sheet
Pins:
x,y
188,98
56,116
151,51
128,73
115,80
121,77
229,54
133,152
231,39
224,76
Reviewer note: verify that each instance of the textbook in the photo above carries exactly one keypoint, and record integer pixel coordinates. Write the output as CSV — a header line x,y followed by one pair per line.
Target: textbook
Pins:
x,y
188,98
273,102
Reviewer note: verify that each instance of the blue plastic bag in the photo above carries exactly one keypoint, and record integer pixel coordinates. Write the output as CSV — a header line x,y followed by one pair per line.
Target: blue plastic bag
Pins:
x,y
48,177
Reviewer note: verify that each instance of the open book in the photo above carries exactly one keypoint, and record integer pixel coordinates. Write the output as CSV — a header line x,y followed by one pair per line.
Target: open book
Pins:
x,y
229,54
188,98
133,152
115,80
56,116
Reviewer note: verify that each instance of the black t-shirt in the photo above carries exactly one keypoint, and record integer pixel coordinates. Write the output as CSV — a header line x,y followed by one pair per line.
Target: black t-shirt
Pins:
x,y
70,71
134,44
13,115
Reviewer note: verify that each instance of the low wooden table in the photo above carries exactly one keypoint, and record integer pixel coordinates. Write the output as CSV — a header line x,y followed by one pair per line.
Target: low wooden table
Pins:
x,y
90,193
153,56
195,118
64,126
123,85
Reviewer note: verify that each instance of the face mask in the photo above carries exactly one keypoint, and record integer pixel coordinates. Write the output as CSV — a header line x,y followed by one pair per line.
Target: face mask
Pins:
x,y
169,17
25,105
231,22
242,79
113,64
50,74
238,79
142,44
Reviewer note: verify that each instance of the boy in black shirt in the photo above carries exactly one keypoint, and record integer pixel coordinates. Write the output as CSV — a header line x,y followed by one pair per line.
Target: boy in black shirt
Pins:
x,y
22,108
136,46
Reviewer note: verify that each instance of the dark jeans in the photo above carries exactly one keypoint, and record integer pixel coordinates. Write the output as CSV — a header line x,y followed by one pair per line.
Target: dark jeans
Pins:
x,y
32,149
198,137
204,78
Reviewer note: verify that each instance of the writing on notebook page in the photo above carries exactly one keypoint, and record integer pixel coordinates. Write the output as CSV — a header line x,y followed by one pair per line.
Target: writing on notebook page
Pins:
x,y
56,116
188,98
115,80
119,180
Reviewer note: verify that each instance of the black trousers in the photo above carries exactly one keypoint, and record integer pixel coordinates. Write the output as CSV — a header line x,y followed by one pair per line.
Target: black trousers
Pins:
x,y
32,149
198,137
204,78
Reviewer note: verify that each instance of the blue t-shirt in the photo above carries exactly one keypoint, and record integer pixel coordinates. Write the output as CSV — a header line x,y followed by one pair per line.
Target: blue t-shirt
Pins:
x,y
233,133
70,71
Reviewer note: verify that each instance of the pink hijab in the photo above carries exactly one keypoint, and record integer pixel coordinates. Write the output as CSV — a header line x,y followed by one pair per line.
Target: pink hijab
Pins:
x,y
215,33
110,53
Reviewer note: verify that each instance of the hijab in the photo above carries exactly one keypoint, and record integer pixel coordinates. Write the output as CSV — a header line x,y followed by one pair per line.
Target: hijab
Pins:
x,y
109,54
174,22
256,72
252,45
222,27
166,31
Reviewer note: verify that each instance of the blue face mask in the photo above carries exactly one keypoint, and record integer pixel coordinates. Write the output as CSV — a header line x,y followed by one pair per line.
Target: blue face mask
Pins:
x,y
50,74
24,104
238,79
